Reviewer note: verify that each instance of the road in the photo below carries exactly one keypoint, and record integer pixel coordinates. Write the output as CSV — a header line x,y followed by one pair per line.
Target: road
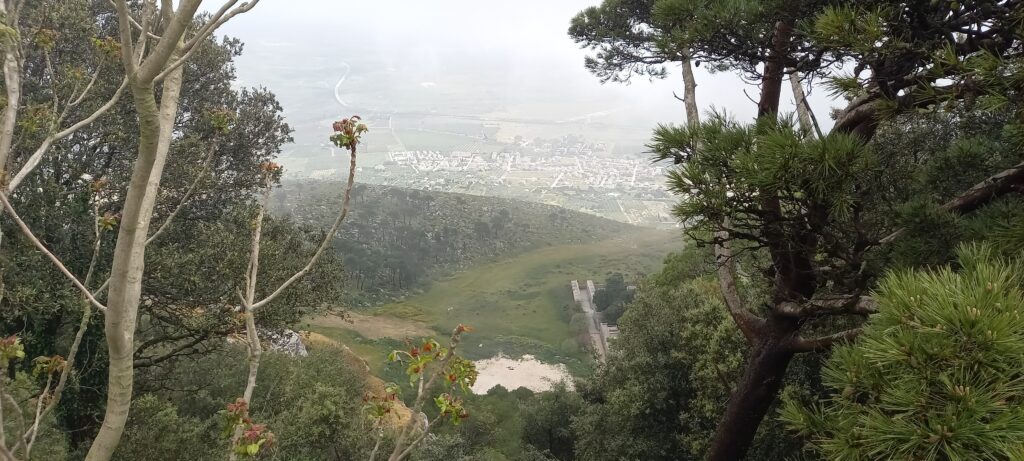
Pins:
x,y
586,300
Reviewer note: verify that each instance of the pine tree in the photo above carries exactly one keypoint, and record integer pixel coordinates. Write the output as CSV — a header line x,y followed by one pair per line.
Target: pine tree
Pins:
x,y
938,374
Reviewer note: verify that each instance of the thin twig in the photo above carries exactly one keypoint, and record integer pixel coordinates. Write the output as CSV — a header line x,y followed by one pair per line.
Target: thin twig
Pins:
x,y
326,243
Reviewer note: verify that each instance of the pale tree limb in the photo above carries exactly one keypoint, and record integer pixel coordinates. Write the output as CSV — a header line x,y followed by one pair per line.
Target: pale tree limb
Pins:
x,y
125,33
251,332
426,431
690,92
824,343
137,26
749,324
177,209
188,193
170,48
249,303
840,305
808,121
206,31
156,128
3,425
37,156
75,101
38,416
49,255
326,243
12,67
376,445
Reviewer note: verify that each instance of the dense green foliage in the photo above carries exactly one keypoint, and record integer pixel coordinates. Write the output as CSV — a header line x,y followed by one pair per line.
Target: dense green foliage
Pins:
x,y
194,266
398,238
611,299
936,374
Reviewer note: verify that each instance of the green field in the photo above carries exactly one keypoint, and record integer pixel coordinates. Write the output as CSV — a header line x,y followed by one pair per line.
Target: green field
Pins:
x,y
520,305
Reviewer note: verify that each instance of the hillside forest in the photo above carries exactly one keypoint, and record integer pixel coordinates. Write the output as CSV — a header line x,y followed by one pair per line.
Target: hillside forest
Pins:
x,y
840,286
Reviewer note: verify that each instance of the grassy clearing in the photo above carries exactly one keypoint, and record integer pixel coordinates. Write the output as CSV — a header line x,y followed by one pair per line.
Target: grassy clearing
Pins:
x,y
520,305
523,304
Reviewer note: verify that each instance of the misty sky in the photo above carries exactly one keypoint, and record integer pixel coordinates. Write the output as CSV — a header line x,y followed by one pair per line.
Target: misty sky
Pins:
x,y
439,50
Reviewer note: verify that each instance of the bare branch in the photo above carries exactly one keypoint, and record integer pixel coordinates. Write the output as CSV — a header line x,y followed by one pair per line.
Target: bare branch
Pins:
x,y
422,395
125,31
1006,181
12,69
212,24
188,193
37,156
326,243
42,248
85,92
824,343
808,121
137,26
218,20
166,49
993,187
749,324
841,305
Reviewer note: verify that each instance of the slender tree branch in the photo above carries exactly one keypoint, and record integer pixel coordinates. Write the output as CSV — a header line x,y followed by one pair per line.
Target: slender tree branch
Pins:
x,y
29,438
37,156
326,243
42,248
824,343
85,92
188,193
993,187
423,391
166,50
218,20
426,431
125,31
376,445
137,26
749,324
842,305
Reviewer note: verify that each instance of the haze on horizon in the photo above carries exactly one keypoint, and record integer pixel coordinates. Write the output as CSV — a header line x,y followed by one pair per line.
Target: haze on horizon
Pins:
x,y
512,61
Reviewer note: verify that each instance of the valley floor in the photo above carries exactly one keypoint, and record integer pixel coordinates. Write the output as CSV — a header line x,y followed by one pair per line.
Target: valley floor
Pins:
x,y
517,306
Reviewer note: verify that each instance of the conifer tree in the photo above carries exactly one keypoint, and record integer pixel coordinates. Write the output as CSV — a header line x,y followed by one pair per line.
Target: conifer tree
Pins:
x,y
938,374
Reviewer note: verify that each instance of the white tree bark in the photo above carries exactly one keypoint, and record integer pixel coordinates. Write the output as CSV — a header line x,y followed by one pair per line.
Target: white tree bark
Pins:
x,y
12,82
808,123
156,125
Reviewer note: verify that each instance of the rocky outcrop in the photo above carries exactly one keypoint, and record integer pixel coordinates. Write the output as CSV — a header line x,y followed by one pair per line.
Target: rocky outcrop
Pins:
x,y
285,341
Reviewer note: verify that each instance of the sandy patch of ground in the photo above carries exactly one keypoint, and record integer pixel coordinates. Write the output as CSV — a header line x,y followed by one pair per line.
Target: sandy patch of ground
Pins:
x,y
374,385
376,327
525,372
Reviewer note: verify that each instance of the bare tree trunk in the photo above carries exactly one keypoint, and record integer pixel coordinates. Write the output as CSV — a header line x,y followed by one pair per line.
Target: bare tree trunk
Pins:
x,y
803,110
690,92
771,353
12,82
156,124
755,392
